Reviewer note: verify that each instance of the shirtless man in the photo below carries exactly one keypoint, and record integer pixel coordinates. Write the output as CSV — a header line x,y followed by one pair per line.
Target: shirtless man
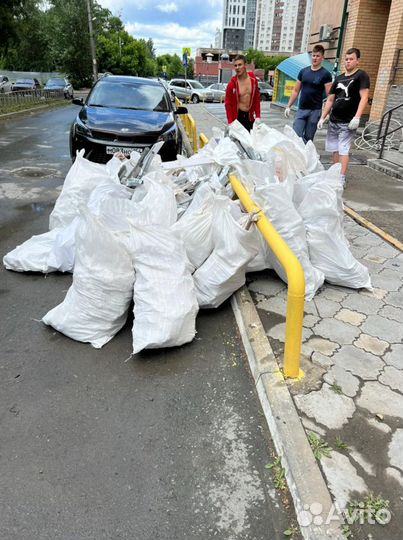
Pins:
x,y
242,97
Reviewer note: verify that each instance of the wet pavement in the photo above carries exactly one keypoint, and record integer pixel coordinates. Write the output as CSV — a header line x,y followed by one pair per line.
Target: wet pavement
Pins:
x,y
167,445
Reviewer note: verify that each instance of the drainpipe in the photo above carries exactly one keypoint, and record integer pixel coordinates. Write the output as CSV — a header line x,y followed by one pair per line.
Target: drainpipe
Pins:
x,y
340,41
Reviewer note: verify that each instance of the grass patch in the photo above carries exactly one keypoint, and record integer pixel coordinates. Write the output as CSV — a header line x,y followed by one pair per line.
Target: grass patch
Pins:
x,y
292,531
320,448
341,445
370,510
279,474
336,388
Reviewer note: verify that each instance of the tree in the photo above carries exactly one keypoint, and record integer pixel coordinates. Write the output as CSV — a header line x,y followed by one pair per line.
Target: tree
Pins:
x,y
262,61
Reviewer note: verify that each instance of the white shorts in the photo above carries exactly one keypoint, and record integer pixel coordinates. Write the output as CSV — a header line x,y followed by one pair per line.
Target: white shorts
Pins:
x,y
339,138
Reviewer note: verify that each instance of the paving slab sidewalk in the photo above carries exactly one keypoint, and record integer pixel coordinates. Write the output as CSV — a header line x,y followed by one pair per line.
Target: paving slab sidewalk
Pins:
x,y
350,400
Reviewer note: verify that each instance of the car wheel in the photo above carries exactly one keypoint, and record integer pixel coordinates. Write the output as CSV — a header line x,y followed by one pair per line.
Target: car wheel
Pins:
x,y
195,98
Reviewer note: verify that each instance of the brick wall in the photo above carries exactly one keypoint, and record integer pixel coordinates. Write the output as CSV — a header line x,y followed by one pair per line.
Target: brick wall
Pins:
x,y
393,41
366,28
396,98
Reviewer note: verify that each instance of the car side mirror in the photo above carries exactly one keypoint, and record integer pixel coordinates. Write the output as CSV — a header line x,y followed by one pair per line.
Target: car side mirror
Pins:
x,y
78,101
181,110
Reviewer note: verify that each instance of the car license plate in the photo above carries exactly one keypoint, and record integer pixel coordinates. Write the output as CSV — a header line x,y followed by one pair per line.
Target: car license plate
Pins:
x,y
124,149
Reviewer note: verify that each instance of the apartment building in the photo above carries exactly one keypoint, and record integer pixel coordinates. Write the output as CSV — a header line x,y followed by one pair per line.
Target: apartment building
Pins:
x,y
282,25
233,25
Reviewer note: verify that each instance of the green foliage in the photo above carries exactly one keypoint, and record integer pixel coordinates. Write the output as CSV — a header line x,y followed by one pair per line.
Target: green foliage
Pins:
x,y
337,389
340,444
320,448
262,61
292,531
279,474
54,36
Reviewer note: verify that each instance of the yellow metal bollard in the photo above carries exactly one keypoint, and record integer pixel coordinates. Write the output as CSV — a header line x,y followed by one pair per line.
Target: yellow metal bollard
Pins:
x,y
203,140
295,277
192,132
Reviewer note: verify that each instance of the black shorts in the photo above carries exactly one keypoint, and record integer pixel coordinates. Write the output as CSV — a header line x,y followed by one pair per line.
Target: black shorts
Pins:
x,y
243,118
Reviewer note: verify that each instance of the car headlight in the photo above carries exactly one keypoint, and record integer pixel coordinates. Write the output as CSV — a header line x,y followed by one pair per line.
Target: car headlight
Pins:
x,y
169,134
82,129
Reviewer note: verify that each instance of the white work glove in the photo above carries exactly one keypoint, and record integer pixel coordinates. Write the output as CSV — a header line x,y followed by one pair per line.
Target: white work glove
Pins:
x,y
354,123
287,112
321,123
258,121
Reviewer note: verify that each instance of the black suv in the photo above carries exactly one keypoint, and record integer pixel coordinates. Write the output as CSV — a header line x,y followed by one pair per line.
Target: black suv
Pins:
x,y
124,113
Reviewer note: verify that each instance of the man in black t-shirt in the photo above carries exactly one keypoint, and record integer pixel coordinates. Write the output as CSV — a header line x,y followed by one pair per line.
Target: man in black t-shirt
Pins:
x,y
313,82
347,100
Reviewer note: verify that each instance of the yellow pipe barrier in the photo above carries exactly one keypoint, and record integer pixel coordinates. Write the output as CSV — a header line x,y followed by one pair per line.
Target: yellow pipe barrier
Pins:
x,y
295,277
192,132
190,126
203,140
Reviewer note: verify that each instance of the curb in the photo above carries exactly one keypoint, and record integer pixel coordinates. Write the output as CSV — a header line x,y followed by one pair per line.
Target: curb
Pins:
x,y
304,478
387,168
370,226
39,108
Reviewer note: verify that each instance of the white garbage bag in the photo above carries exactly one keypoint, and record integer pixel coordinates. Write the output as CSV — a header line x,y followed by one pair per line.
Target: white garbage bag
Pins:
x,y
81,179
226,152
328,247
279,209
33,254
63,252
195,229
154,201
239,132
311,155
331,176
234,247
165,305
289,157
96,305
255,174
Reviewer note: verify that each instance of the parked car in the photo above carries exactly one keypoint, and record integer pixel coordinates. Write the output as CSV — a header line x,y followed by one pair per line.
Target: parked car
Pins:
x,y
26,84
122,114
266,91
5,84
218,91
189,89
58,84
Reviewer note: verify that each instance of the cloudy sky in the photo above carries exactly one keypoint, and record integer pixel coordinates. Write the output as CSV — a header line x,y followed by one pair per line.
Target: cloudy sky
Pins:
x,y
172,24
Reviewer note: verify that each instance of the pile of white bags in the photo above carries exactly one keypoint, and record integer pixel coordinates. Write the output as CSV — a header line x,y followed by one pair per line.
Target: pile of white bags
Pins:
x,y
165,305
320,205
234,247
177,242
96,305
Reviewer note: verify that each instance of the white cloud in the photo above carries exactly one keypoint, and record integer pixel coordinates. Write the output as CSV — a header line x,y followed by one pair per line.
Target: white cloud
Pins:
x,y
170,7
171,37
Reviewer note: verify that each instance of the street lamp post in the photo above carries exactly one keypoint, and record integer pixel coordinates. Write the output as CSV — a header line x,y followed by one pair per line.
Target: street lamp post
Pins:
x,y
92,43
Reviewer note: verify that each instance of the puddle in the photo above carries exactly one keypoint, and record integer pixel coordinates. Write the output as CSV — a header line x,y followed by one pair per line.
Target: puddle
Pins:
x,y
34,172
37,207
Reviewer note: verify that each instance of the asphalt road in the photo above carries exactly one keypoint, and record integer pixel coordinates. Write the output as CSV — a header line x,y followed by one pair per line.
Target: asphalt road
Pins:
x,y
167,445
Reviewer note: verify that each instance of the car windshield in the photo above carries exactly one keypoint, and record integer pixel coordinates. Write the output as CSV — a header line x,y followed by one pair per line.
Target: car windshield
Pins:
x,y
265,86
55,82
24,81
124,95
195,84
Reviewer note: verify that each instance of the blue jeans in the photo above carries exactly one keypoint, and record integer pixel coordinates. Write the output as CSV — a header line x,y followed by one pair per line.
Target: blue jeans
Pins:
x,y
306,123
